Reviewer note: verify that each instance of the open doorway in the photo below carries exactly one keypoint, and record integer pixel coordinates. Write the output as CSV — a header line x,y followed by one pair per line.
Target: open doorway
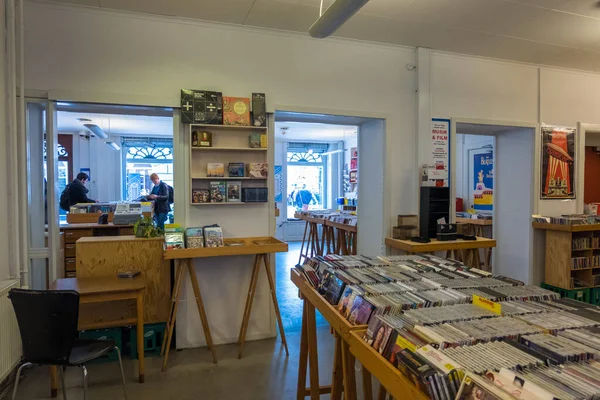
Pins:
x,y
494,180
319,162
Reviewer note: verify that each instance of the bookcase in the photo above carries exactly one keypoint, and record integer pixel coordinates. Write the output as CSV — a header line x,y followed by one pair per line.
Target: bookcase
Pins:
x,y
572,255
434,204
230,144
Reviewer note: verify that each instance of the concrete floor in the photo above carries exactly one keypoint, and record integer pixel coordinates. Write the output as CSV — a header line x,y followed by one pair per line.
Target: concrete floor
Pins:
x,y
265,373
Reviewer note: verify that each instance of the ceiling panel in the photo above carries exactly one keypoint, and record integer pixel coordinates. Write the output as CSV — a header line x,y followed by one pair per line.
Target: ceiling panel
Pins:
x,y
579,59
549,4
314,131
89,3
560,28
231,11
112,124
522,50
282,15
590,8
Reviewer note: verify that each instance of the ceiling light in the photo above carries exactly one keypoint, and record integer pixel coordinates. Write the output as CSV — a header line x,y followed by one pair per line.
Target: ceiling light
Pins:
x,y
334,17
328,153
96,130
84,120
114,146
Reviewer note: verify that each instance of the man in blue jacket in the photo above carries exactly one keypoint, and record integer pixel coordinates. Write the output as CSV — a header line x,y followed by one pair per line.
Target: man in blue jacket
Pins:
x,y
160,195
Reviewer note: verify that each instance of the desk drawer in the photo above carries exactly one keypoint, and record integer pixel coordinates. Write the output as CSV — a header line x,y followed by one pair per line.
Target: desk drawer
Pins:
x,y
71,235
126,231
70,265
69,250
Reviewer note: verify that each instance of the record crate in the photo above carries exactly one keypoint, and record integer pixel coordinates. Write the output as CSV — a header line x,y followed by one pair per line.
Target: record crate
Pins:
x,y
114,334
154,335
595,296
581,294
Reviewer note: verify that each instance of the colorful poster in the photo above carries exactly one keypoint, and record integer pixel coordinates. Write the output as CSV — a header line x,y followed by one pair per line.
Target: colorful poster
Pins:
x,y
483,190
278,184
558,163
436,168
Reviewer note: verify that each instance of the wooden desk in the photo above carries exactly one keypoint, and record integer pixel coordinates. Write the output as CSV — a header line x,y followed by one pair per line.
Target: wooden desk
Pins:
x,y
103,289
260,247
469,247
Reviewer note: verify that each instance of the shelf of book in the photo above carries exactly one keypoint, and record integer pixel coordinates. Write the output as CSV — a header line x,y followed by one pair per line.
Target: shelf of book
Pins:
x,y
228,178
229,127
233,247
398,385
229,149
229,203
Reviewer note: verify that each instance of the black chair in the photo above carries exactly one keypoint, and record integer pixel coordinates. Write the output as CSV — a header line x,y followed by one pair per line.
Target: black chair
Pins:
x,y
48,325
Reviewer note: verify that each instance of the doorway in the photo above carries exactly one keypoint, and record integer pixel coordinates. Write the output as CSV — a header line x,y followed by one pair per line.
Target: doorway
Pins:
x,y
493,174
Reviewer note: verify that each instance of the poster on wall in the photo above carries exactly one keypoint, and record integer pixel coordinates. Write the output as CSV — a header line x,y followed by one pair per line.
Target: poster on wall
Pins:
x,y
483,192
558,163
435,170
278,184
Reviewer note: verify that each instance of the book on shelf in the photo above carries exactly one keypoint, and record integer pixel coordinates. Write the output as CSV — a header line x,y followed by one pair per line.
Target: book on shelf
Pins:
x,y
258,170
236,111
194,238
218,192
200,196
213,236
201,138
254,140
234,191
174,240
215,170
237,170
259,109
331,287
201,107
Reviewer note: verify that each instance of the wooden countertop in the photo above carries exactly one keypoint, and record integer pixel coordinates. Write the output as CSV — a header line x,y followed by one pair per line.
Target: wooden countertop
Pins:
x,y
93,225
485,222
112,239
567,228
233,247
435,245
101,284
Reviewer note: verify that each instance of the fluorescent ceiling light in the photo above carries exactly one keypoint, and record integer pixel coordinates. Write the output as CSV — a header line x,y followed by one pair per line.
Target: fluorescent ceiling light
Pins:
x,y
328,153
96,130
336,15
114,145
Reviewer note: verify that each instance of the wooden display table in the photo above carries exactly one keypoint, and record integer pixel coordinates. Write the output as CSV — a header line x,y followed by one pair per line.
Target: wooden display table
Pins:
x,y
561,249
468,247
102,290
335,238
260,247
99,257
478,226
314,243
343,236
89,218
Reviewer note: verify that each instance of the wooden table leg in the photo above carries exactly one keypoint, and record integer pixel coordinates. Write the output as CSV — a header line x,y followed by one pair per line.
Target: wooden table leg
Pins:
x,y
382,393
140,334
303,359
275,304
166,347
201,310
303,242
367,384
249,300
337,378
53,382
313,357
349,374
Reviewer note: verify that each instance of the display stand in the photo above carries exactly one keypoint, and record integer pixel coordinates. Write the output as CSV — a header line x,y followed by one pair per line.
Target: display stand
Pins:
x,y
478,229
346,238
260,247
469,247
314,242
560,252
349,347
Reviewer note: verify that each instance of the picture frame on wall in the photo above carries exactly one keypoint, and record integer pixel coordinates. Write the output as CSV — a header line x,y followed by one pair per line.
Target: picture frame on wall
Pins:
x,y
558,163
353,176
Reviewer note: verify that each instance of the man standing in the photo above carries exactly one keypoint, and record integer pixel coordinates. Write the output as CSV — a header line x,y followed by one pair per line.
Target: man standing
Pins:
x,y
77,192
160,195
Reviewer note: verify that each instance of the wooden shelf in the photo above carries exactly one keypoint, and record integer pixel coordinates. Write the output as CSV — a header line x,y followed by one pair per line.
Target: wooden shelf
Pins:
x,y
567,228
247,246
229,203
229,149
228,178
226,127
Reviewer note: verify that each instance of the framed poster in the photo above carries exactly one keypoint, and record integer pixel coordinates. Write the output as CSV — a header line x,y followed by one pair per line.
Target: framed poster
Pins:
x,y
353,177
483,190
437,163
558,163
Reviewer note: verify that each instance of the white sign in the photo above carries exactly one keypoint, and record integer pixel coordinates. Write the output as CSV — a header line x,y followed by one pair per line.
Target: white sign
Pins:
x,y
439,161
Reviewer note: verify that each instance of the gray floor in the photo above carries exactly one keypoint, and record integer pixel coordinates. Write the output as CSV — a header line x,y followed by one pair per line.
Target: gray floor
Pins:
x,y
264,372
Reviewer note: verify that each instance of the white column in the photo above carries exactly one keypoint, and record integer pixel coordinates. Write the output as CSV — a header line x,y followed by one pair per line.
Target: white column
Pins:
x,y
4,257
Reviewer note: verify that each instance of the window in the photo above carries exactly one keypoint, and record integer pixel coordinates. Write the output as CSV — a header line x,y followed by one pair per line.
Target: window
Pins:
x,y
142,157
305,177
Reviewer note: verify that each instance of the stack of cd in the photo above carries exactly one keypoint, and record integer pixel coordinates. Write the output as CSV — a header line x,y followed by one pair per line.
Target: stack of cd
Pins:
x,y
559,349
572,381
461,312
495,328
557,321
588,336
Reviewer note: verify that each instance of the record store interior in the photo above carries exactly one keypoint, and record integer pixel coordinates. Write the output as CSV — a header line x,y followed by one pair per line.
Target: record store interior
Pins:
x,y
309,199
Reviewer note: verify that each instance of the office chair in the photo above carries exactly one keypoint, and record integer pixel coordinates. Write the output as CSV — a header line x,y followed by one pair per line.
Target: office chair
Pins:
x,y
48,325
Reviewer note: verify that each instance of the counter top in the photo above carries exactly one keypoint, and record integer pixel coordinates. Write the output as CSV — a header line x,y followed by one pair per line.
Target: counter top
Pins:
x,y
92,225
112,239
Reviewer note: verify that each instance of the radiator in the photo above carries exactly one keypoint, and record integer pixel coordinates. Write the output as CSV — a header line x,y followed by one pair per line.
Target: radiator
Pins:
x,y
10,339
